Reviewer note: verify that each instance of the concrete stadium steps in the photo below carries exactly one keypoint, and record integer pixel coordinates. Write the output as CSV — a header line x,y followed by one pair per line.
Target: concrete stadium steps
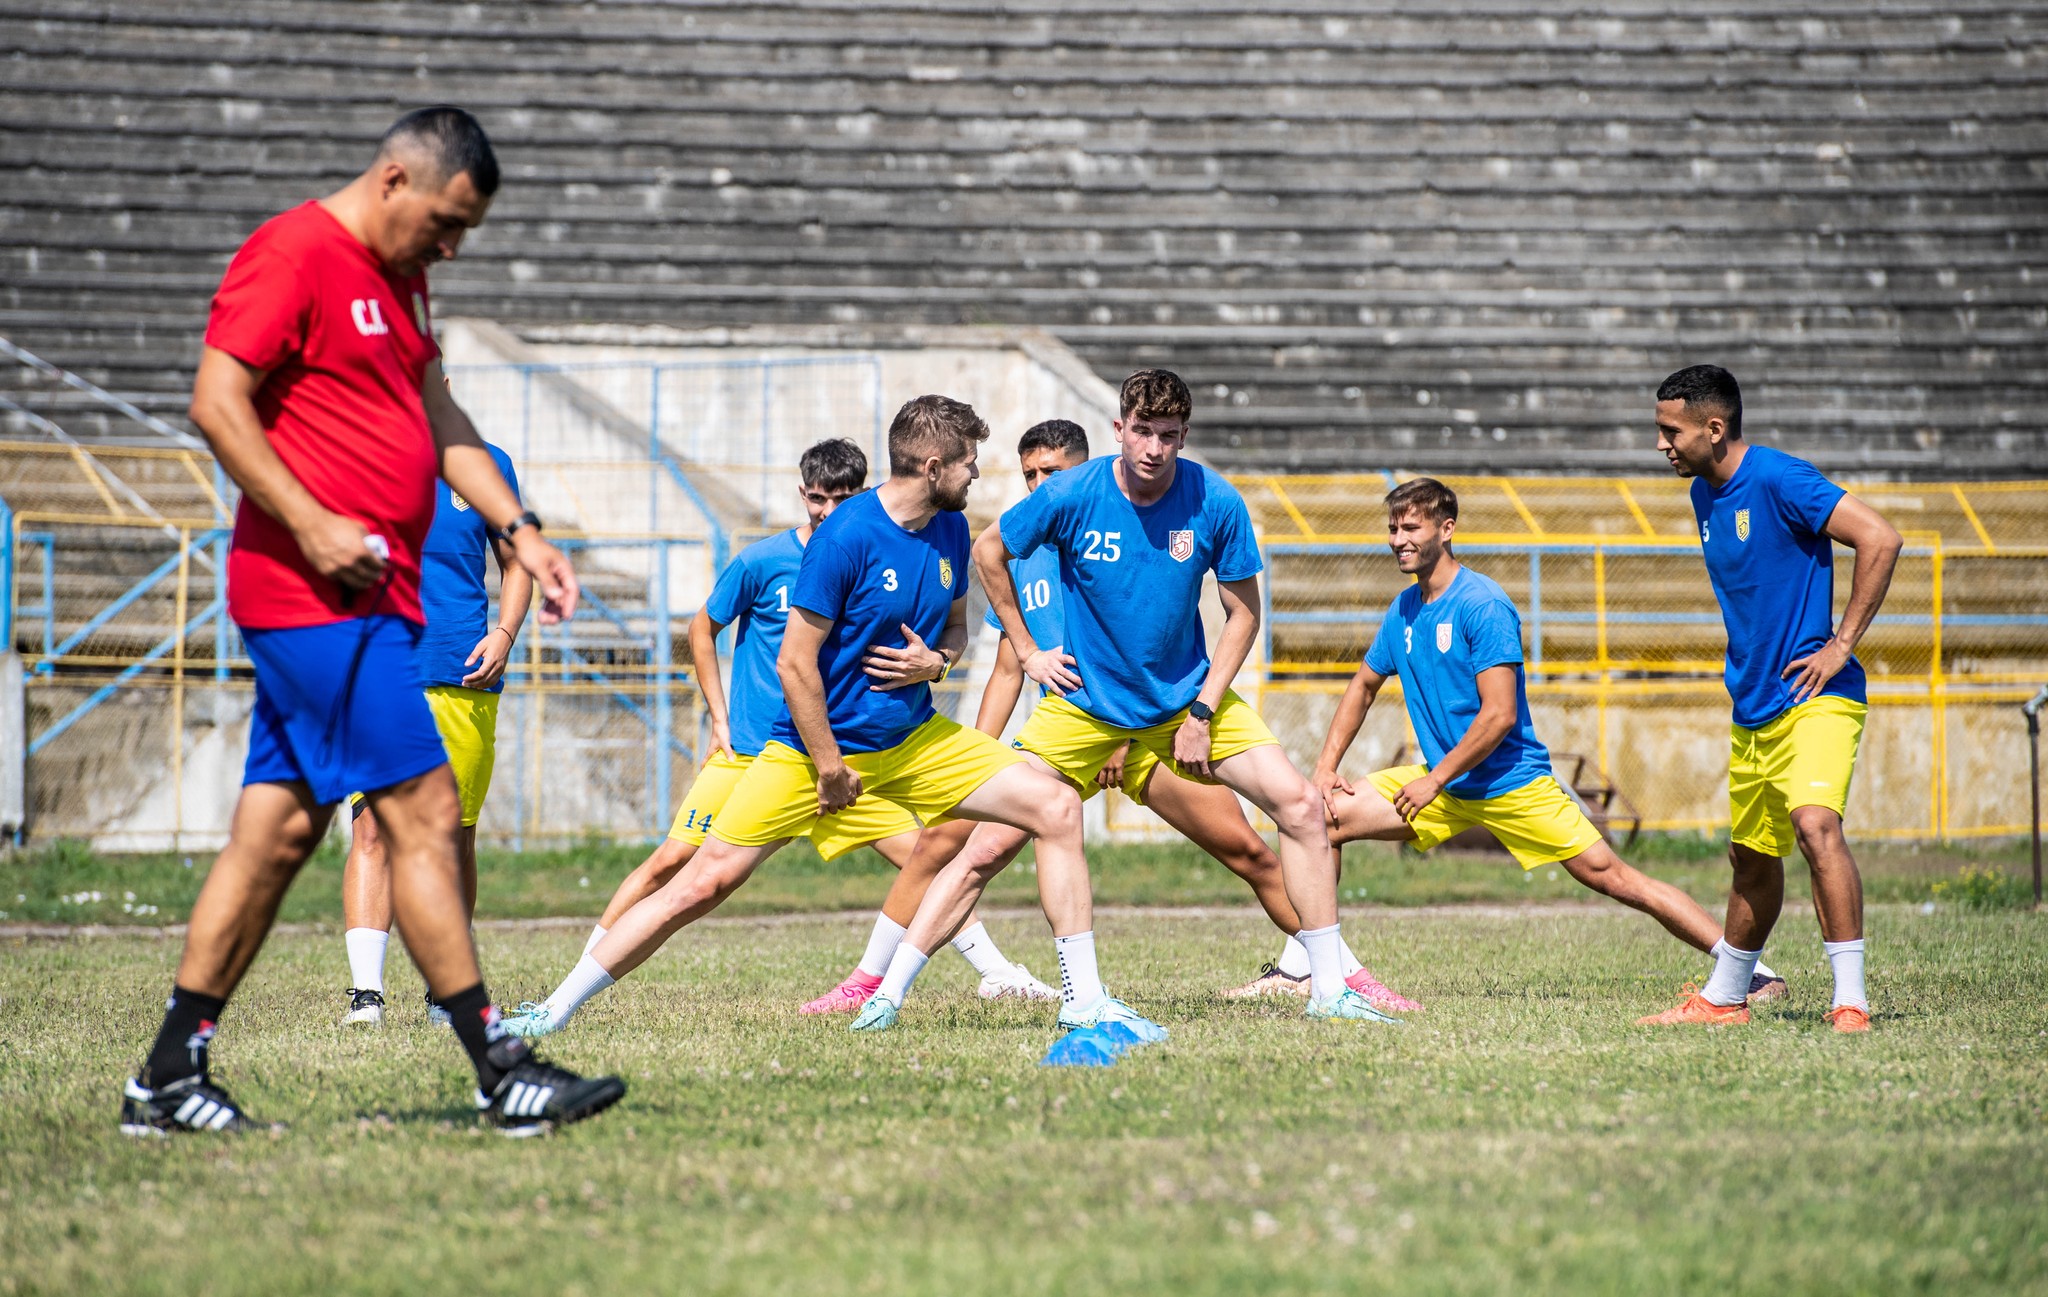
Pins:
x,y
1524,217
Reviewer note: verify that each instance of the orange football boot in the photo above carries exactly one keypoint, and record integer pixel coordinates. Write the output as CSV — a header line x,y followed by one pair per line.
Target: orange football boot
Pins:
x,y
1849,1019
1696,1010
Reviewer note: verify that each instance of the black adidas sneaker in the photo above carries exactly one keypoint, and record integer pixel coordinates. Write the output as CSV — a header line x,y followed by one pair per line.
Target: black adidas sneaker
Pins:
x,y
535,1097
192,1103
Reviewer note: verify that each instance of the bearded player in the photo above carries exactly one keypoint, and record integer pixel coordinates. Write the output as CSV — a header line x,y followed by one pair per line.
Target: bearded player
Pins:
x,y
1455,640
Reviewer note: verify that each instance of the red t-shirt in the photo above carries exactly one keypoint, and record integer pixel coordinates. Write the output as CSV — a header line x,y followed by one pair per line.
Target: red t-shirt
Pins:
x,y
347,344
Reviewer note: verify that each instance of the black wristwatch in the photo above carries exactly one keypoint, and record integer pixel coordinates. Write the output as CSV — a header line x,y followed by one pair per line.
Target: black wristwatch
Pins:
x,y
1200,710
527,519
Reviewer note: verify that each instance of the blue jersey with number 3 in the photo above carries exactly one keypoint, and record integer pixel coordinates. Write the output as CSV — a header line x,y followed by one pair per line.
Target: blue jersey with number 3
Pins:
x,y
1131,581
753,593
1038,593
1438,649
1764,537
869,575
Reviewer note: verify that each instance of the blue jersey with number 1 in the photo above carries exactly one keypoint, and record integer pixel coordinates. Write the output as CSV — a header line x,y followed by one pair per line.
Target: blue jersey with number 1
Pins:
x,y
753,592
1131,581
873,577
1038,593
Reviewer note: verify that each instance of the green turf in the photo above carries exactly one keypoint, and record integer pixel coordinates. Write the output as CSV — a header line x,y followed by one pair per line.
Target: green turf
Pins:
x,y
1520,1136
57,884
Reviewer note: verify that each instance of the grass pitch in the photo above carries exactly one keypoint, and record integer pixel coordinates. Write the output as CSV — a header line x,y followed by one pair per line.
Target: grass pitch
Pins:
x,y
1520,1135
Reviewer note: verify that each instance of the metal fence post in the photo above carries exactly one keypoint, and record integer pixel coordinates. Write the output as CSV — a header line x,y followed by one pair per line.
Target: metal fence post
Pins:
x,y
1536,608
664,718
178,692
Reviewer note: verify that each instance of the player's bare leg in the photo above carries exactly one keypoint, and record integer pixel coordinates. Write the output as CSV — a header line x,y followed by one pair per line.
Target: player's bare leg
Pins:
x,y
1838,906
1598,868
274,829
366,912
1209,816
417,820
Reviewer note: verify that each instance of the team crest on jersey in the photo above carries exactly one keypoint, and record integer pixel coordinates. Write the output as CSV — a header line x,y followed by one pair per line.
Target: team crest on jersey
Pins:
x,y
1443,637
1742,524
946,573
461,505
1180,545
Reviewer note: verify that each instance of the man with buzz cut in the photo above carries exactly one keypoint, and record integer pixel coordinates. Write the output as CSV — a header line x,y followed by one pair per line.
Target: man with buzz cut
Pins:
x,y
1208,815
1768,523
1455,640
753,593
1135,535
320,391
883,583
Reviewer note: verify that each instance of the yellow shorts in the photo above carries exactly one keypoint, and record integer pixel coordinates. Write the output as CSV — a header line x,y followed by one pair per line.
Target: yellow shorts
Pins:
x,y
468,722
1538,823
1076,744
933,770
871,819
1803,758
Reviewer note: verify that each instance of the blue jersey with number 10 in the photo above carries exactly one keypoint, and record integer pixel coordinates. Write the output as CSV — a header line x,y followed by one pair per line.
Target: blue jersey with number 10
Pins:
x,y
753,592
1038,593
872,577
1131,581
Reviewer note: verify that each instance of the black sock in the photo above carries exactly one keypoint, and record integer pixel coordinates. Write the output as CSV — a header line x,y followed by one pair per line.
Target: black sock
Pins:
x,y
491,1051
180,1049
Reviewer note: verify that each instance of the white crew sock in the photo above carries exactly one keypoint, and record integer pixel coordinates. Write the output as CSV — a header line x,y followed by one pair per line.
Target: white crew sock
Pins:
x,y
1080,984
1847,959
882,943
366,947
596,935
904,966
1732,971
583,981
1293,959
1763,970
1325,960
979,949
1352,963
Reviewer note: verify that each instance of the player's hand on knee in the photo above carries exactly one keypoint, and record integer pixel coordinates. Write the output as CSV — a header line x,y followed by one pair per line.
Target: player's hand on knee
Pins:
x,y
838,788
1050,667
1327,783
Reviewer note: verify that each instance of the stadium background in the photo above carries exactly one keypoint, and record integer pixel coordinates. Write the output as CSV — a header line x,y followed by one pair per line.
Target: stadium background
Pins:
x,y
1455,239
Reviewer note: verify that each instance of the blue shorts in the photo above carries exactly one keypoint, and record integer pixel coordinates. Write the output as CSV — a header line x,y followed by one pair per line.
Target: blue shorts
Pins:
x,y
339,708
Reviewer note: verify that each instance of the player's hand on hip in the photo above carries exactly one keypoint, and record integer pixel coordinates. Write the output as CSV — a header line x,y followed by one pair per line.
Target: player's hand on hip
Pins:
x,y
1191,747
1049,667
1416,794
838,787
1112,773
1816,669
339,549
897,668
489,657
551,572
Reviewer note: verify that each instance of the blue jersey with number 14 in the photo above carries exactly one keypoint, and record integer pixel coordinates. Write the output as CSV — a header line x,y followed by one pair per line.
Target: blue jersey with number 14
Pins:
x,y
753,593
1131,581
1038,593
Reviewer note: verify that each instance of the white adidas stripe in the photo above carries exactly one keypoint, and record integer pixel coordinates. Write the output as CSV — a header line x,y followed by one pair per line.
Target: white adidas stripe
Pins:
x,y
525,1100
540,1100
222,1118
190,1106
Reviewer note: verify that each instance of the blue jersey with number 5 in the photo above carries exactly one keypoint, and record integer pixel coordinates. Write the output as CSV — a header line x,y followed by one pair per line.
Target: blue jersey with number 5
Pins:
x,y
869,575
1131,581
753,593
1038,593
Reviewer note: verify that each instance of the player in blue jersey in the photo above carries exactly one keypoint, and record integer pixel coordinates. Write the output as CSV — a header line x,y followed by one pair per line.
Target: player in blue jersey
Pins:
x,y
879,615
1135,535
753,594
1455,640
460,661
1768,523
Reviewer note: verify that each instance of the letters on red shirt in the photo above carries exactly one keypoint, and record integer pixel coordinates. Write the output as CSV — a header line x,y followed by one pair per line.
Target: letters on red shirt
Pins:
x,y
346,344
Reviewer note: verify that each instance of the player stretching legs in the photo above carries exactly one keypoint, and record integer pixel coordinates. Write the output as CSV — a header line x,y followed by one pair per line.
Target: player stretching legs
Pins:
x,y
461,660
1208,815
1767,523
753,593
888,568
1134,535
1455,640
330,301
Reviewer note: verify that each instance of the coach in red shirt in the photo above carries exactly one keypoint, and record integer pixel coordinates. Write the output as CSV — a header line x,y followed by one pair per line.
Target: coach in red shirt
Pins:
x,y
320,390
